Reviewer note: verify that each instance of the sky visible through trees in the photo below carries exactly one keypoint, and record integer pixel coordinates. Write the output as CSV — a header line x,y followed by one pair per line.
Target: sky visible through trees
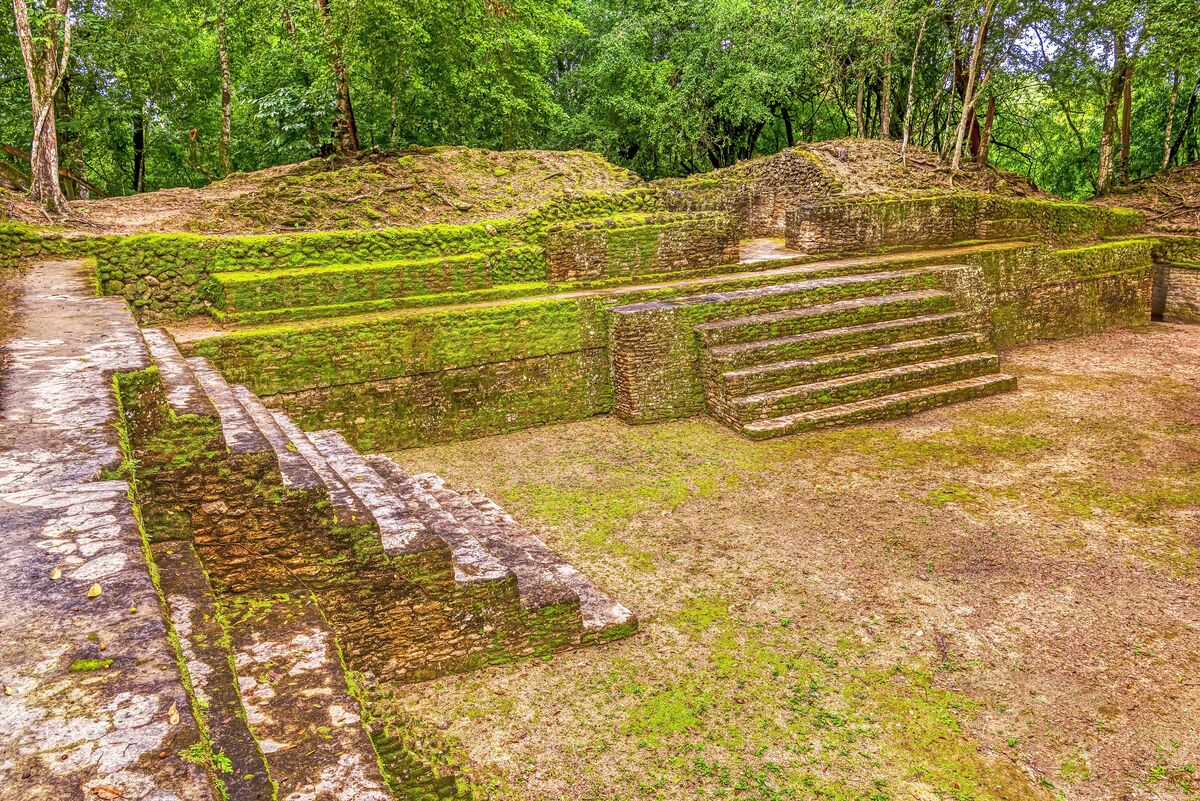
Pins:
x,y
1079,95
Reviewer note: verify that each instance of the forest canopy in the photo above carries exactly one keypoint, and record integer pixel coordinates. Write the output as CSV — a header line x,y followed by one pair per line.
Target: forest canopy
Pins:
x,y
1078,95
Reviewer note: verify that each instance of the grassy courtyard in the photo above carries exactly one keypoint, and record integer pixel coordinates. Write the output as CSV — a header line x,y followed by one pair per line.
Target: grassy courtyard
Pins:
x,y
996,600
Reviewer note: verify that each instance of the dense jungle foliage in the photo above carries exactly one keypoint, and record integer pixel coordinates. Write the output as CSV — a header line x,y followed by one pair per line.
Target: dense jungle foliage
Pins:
x,y
1079,95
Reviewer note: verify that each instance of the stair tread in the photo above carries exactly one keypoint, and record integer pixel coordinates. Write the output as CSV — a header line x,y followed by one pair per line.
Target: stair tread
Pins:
x,y
598,610
834,413
828,358
471,559
241,434
769,290
347,506
295,470
823,308
184,393
539,570
841,381
829,333
399,528
294,691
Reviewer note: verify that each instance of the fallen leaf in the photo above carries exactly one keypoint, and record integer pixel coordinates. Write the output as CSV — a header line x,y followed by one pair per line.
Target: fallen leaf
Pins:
x,y
56,574
7,690
173,714
107,792
94,591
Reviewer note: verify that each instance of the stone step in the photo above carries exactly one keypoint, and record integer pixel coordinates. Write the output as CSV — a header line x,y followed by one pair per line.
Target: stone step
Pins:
x,y
347,508
400,525
337,284
241,434
793,294
777,375
834,340
183,390
297,706
294,468
824,316
881,408
542,575
853,388
603,618
205,652
439,512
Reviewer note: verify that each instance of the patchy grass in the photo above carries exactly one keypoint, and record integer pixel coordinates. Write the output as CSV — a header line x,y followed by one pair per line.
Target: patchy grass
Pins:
x,y
988,601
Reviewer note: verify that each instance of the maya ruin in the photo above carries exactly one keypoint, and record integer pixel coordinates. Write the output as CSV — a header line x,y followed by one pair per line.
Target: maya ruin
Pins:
x,y
842,471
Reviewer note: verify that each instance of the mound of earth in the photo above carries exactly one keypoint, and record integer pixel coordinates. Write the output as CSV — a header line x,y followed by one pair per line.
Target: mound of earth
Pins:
x,y
870,166
1170,200
372,189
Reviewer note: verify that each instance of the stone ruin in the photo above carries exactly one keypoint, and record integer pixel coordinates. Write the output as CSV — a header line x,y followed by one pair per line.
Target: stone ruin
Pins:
x,y
216,585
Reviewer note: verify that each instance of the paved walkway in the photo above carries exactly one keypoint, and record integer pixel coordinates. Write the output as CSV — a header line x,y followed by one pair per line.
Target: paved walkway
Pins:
x,y
92,704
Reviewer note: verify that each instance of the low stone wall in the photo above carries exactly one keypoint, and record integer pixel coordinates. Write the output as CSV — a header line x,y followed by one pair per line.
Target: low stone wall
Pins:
x,y
1182,302
1177,279
854,224
639,245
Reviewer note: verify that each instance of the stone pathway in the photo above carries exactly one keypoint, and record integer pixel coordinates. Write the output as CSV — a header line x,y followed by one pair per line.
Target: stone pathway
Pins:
x,y
92,704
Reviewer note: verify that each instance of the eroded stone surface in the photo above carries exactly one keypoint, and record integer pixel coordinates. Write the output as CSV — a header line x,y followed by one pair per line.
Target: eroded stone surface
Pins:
x,y
92,694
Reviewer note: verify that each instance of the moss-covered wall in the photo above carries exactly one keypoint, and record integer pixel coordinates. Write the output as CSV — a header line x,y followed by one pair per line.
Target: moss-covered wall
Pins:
x,y
1177,279
640,245
843,225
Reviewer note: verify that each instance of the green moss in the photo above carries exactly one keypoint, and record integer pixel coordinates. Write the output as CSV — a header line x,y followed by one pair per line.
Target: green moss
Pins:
x,y
88,665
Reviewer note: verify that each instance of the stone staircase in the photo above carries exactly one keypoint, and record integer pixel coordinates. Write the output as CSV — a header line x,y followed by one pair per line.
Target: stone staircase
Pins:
x,y
782,359
287,559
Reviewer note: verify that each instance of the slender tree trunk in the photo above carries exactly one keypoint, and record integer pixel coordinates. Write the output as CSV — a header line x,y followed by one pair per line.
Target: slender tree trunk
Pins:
x,y
985,142
139,151
45,54
968,107
69,145
960,84
345,130
885,99
1108,128
1126,123
787,127
1166,162
912,82
1188,116
223,149
858,108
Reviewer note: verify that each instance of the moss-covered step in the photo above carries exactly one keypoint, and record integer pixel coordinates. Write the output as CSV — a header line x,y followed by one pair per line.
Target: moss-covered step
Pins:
x,y
836,339
777,375
267,290
881,408
852,388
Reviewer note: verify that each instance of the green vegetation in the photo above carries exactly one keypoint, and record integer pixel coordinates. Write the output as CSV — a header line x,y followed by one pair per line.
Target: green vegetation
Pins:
x,y
88,665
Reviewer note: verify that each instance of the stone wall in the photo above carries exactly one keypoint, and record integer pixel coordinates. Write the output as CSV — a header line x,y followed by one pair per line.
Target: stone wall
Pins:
x,y
1182,302
1177,279
639,245
854,224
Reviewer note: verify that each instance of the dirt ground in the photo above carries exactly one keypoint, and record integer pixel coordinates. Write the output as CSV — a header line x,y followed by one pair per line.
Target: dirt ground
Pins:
x,y
996,600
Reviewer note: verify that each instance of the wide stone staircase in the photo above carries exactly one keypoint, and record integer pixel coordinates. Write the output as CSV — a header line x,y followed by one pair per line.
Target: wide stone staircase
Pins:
x,y
842,349
290,564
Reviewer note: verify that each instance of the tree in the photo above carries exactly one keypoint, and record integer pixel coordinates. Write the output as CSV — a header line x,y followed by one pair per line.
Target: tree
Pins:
x,y
45,37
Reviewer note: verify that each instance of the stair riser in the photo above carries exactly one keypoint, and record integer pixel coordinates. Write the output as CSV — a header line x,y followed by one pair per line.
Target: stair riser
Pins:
x,y
753,332
836,343
737,385
887,413
849,393
762,304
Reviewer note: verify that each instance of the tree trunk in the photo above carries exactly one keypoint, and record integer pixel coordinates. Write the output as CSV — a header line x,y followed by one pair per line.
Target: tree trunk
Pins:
x,y
968,107
858,108
139,151
1166,162
1126,123
45,54
985,141
912,81
223,150
345,130
69,142
885,99
787,127
1188,116
960,83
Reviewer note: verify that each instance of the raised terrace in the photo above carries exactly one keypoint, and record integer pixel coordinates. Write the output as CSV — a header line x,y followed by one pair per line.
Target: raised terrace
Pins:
x,y
232,569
